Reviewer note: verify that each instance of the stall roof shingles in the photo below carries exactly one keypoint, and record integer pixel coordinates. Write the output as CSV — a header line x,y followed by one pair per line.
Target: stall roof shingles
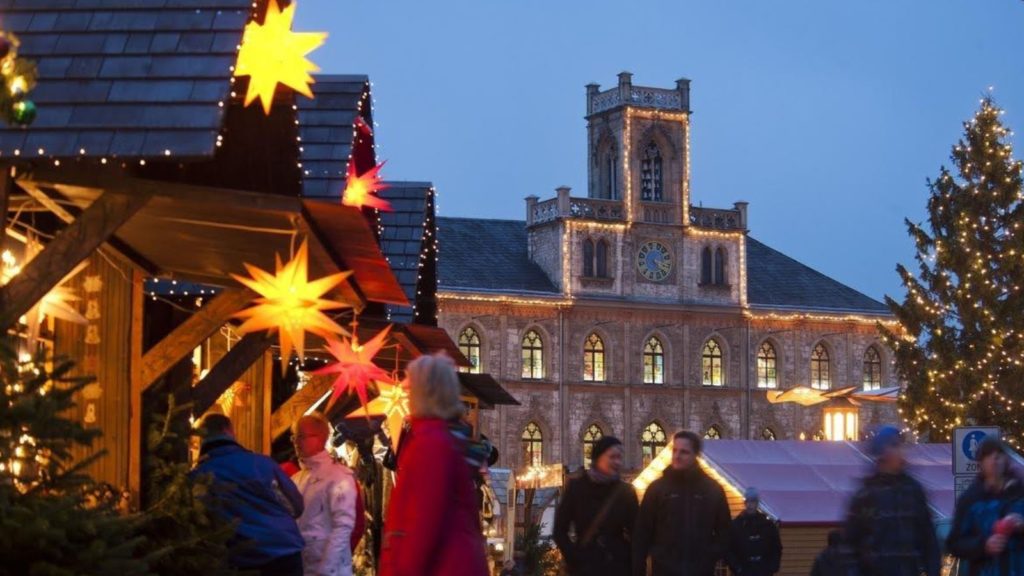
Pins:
x,y
402,237
125,78
325,126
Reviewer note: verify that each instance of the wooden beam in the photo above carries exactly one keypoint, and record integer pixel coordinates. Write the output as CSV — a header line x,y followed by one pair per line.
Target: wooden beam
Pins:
x,y
135,367
297,404
230,368
71,246
191,333
6,187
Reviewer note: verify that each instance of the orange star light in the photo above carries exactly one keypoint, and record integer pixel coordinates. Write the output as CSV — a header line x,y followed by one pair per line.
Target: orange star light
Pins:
x,y
272,54
290,303
360,190
355,367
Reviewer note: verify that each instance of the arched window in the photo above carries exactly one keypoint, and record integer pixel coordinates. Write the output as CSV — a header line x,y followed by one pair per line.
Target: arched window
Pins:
x,y
711,364
872,369
652,442
469,345
768,434
654,361
650,174
533,445
767,366
588,257
720,279
593,359
713,433
533,356
590,437
819,368
705,266
601,259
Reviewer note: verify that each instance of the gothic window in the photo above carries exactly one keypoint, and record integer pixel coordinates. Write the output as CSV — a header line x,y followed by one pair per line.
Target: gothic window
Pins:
x,y
469,345
819,368
720,267
711,364
654,362
767,366
705,265
652,442
872,369
533,445
713,433
593,359
588,257
650,174
590,437
768,434
533,356
601,259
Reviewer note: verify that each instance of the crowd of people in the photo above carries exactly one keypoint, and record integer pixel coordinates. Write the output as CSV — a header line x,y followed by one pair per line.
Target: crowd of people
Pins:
x,y
307,522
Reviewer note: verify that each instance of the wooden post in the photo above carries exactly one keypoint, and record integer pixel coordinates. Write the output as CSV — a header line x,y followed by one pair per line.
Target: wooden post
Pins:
x,y
135,366
6,187
72,245
226,372
297,404
191,333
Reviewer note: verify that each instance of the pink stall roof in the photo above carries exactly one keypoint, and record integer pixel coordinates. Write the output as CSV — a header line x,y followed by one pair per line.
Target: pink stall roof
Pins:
x,y
811,482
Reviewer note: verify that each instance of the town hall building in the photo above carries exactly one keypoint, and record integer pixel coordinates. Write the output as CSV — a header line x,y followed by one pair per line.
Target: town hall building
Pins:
x,y
632,312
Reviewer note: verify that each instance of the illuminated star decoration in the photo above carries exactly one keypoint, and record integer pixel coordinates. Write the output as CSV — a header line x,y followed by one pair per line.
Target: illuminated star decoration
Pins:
x,y
272,54
354,367
393,403
290,303
360,190
56,303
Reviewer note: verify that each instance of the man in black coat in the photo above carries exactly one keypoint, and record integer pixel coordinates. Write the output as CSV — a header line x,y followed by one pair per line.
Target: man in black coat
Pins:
x,y
756,548
889,529
683,525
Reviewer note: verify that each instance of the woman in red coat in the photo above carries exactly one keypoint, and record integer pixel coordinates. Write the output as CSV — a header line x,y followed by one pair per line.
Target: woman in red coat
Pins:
x,y
433,524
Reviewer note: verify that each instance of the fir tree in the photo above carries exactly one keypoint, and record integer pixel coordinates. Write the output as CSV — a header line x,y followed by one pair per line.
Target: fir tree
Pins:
x,y
54,519
961,344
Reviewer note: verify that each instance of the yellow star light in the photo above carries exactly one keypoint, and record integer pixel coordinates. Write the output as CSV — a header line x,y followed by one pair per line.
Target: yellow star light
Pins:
x,y
393,404
290,303
272,54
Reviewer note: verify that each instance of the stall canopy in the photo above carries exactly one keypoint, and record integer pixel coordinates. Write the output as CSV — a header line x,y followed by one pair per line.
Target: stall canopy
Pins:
x,y
811,482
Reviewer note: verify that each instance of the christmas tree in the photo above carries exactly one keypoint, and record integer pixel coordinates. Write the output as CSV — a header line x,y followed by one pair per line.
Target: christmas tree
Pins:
x,y
961,344
53,518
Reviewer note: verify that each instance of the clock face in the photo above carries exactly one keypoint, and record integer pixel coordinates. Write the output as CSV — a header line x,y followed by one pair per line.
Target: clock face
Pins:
x,y
654,261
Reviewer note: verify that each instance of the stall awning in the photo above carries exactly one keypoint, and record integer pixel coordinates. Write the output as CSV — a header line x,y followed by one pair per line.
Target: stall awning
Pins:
x,y
202,234
487,389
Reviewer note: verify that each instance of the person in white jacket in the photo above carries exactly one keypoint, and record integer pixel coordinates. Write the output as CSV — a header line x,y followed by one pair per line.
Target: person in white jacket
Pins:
x,y
329,492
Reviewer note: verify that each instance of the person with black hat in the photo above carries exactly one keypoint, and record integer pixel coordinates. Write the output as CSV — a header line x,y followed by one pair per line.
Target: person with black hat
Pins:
x,y
595,518
989,517
889,528
756,548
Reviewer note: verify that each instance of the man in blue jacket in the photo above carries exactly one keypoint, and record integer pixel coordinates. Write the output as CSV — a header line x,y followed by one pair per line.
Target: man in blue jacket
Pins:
x,y
252,490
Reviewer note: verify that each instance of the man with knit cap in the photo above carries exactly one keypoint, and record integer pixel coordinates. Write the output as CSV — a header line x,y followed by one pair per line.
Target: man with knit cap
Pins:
x,y
756,548
889,529
596,514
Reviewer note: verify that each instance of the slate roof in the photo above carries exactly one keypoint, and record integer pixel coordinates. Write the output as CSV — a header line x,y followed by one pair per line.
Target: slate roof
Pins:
x,y
402,232
127,78
490,255
326,128
776,280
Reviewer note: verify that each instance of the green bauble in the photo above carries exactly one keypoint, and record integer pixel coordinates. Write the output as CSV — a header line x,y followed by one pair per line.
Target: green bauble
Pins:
x,y
24,112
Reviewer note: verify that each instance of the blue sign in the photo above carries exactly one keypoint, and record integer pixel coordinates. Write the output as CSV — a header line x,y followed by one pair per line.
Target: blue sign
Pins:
x,y
970,444
965,447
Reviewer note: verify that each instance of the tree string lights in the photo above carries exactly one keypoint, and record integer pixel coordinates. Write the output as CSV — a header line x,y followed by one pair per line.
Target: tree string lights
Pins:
x,y
19,78
961,350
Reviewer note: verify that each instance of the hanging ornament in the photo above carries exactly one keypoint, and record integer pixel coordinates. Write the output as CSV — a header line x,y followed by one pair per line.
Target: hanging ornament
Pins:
x,y
272,54
354,367
290,303
360,190
19,77
392,402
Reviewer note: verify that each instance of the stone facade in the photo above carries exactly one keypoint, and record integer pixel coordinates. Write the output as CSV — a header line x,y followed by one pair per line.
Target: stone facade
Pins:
x,y
680,296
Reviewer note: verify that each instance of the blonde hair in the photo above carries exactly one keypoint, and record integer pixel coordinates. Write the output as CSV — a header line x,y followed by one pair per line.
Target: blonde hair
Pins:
x,y
434,388
318,420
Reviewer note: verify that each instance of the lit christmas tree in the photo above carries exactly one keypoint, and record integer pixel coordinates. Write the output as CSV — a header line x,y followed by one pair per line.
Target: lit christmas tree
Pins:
x,y
962,345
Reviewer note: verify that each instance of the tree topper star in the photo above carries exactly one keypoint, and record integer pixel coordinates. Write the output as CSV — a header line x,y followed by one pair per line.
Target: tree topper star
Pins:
x,y
290,303
355,367
272,54
360,190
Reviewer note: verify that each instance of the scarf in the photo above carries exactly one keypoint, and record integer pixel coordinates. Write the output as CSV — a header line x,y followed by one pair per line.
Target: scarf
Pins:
x,y
598,477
